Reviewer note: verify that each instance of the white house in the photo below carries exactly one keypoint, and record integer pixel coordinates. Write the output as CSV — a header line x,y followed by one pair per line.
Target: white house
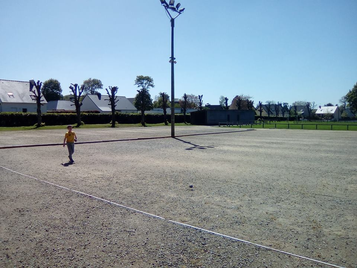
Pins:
x,y
15,96
332,111
101,104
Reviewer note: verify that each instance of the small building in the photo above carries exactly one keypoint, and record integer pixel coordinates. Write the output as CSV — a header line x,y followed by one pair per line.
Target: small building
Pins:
x,y
329,112
217,117
15,96
101,104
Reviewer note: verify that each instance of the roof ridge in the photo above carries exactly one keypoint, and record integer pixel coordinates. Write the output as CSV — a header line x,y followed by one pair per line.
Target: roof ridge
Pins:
x,y
14,80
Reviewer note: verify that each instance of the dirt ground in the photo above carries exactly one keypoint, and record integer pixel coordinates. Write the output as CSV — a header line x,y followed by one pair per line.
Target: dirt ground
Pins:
x,y
229,198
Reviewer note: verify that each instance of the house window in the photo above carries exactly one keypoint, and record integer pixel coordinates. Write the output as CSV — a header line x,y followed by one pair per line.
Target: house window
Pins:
x,y
24,110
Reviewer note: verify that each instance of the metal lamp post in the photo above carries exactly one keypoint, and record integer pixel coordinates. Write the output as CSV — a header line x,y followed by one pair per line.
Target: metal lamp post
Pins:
x,y
176,11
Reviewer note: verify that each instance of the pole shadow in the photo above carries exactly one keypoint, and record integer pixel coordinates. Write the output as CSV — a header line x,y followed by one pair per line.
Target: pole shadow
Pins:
x,y
194,146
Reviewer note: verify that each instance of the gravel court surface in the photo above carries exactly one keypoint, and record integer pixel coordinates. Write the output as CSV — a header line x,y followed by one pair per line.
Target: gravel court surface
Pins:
x,y
62,229
290,190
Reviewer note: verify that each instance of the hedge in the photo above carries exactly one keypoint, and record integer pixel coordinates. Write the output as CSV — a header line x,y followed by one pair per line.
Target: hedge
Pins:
x,y
30,119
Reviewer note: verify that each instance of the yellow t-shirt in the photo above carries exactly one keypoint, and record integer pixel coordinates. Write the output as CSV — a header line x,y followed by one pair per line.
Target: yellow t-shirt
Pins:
x,y
70,136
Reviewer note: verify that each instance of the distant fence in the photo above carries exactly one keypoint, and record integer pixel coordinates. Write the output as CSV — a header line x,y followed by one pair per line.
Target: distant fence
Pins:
x,y
313,126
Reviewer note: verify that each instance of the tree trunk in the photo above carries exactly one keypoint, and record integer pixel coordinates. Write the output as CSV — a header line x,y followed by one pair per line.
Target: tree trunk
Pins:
x,y
78,112
39,118
165,116
113,117
142,120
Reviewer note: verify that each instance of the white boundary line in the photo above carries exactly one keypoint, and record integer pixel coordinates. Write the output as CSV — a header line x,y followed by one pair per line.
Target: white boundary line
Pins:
x,y
171,221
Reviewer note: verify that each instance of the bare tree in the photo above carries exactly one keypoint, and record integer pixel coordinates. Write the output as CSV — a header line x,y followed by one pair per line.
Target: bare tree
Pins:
x,y
250,104
294,106
309,109
239,101
77,93
269,105
277,108
200,102
113,102
260,108
36,90
285,109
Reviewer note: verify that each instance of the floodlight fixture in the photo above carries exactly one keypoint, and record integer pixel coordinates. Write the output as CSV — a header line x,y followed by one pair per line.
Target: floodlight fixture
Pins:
x,y
171,3
164,3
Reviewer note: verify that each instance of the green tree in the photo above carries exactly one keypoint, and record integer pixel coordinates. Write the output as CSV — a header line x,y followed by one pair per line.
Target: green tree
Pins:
x,y
111,92
193,101
223,101
189,101
184,104
52,90
158,102
164,104
91,86
142,100
351,99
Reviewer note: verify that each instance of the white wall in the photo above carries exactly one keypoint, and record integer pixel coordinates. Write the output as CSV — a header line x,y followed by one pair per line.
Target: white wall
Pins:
x,y
18,107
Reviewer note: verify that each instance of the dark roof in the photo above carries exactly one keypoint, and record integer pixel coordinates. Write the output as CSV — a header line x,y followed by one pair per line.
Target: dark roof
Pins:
x,y
102,103
61,105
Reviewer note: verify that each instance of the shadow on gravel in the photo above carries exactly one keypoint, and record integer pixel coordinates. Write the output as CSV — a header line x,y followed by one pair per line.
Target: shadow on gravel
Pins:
x,y
67,164
194,146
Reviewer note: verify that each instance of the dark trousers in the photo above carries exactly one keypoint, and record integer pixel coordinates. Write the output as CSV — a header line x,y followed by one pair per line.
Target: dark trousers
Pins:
x,y
71,149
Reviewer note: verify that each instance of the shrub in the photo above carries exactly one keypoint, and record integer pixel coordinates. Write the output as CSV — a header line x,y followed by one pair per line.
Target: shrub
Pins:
x,y
50,119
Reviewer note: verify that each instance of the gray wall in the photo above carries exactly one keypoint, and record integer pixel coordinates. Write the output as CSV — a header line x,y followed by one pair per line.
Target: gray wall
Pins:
x,y
214,117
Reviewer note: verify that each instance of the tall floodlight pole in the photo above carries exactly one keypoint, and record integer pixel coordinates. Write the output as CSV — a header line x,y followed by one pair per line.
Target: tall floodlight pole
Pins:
x,y
173,11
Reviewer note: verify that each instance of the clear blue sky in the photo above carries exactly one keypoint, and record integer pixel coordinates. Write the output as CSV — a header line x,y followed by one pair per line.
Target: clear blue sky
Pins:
x,y
271,50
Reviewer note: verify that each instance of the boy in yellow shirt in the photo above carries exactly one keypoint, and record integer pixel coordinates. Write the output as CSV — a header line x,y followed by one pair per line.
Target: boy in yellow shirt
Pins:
x,y
70,139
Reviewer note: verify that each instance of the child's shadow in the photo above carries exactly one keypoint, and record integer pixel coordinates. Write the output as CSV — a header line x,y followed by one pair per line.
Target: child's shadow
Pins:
x,y
66,164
